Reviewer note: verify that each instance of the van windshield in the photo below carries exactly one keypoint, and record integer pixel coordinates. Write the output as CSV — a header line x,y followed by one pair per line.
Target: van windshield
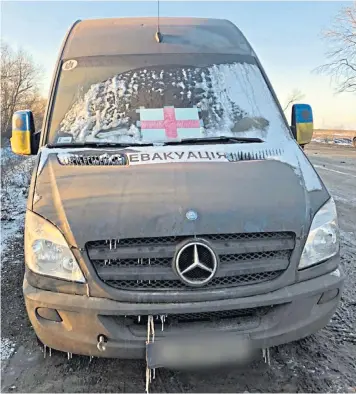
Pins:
x,y
155,98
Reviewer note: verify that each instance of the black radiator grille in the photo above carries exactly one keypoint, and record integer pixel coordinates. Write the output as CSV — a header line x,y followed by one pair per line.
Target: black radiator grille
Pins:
x,y
282,254
227,281
201,316
146,264
135,242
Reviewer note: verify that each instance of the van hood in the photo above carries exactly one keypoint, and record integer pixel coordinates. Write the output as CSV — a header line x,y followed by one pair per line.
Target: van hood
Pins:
x,y
263,191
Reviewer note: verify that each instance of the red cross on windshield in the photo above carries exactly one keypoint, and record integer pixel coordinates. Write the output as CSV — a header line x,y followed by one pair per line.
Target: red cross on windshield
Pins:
x,y
170,124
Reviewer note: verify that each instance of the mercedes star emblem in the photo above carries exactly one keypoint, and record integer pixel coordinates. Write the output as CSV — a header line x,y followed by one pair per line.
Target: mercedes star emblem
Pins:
x,y
191,215
196,263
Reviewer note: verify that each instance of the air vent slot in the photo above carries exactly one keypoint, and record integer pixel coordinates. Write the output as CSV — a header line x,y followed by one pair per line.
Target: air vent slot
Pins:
x,y
70,159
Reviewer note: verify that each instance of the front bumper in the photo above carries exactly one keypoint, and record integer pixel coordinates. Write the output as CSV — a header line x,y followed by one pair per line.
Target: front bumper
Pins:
x,y
297,312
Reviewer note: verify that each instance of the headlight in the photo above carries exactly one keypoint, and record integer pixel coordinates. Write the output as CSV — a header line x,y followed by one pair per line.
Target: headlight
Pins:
x,y
323,240
47,252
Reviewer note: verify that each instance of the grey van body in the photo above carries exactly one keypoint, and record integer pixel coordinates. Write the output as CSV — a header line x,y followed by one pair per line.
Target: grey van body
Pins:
x,y
127,221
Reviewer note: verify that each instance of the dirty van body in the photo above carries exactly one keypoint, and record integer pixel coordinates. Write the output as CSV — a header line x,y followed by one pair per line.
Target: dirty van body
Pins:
x,y
171,202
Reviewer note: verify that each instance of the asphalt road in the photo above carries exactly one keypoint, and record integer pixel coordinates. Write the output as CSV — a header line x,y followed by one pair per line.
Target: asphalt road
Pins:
x,y
337,168
324,362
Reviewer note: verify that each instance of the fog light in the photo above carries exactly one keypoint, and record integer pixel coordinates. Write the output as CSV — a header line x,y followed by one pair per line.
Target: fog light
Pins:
x,y
328,296
48,314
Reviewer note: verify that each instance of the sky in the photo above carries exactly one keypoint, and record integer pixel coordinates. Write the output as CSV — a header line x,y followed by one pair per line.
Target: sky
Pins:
x,y
286,36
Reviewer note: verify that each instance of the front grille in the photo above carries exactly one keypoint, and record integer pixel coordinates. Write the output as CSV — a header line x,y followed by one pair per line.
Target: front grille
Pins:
x,y
227,281
135,242
282,254
202,316
133,262
167,262
146,264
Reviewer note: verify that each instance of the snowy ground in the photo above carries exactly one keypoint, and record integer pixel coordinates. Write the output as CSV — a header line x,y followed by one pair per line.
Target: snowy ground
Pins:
x,y
15,178
324,362
337,141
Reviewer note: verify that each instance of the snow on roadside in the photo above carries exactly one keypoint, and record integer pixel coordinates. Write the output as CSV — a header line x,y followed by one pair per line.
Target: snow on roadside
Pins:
x,y
336,141
14,190
7,349
15,178
5,154
349,237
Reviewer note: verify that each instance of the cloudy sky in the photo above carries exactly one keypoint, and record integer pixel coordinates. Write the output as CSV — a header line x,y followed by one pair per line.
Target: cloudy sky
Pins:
x,y
285,35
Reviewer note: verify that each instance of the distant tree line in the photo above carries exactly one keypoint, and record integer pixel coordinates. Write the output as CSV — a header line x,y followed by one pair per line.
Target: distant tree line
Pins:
x,y
341,55
20,87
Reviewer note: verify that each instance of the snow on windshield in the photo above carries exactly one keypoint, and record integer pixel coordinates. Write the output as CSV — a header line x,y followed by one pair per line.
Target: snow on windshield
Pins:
x,y
233,99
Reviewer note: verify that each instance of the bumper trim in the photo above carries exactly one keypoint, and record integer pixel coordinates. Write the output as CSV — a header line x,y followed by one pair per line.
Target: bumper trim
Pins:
x,y
85,318
111,307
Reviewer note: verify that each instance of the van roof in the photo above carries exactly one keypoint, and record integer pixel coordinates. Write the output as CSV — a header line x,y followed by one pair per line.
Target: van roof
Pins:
x,y
134,36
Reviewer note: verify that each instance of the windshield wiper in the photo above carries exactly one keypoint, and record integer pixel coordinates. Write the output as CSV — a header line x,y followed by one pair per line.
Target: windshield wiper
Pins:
x,y
220,139
183,141
97,144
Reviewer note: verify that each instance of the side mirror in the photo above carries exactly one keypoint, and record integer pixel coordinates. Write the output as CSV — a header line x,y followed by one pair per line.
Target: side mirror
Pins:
x,y
24,140
302,123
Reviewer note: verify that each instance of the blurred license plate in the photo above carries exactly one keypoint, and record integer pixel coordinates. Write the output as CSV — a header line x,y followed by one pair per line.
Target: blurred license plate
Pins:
x,y
197,352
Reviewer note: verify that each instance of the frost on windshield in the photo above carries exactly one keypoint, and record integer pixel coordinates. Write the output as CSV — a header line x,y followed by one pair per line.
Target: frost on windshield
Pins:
x,y
233,99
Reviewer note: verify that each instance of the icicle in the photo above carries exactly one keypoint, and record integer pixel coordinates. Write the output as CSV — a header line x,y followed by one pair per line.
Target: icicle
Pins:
x,y
150,319
50,352
110,245
148,373
266,356
150,338
154,373
44,351
163,320
139,318
68,355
